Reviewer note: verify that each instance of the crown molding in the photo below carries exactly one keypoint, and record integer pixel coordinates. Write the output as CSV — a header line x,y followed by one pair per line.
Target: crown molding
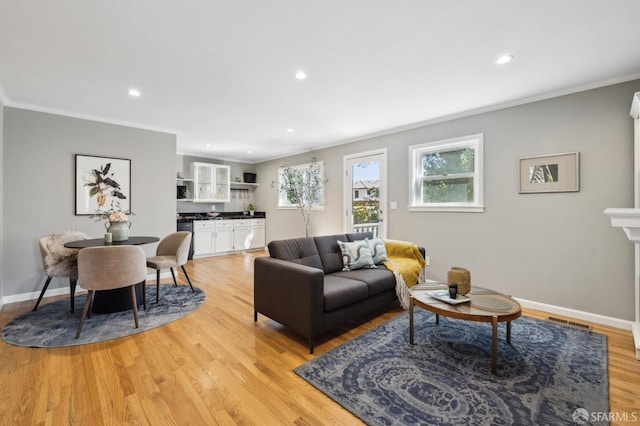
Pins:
x,y
71,114
468,113
214,157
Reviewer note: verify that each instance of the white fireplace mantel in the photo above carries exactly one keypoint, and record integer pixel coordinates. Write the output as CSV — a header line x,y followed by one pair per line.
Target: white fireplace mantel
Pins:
x,y
629,219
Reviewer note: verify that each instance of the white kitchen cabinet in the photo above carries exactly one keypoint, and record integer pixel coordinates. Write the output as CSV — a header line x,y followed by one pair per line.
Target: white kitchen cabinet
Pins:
x,y
203,238
223,236
258,237
241,234
212,183
212,237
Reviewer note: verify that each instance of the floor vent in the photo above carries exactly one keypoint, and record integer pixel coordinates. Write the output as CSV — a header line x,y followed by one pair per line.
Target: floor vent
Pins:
x,y
570,323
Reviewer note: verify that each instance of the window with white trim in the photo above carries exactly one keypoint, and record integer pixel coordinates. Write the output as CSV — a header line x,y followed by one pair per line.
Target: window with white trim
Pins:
x,y
301,172
447,175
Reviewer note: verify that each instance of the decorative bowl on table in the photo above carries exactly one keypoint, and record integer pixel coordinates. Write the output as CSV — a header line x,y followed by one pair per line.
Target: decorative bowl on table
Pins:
x,y
213,214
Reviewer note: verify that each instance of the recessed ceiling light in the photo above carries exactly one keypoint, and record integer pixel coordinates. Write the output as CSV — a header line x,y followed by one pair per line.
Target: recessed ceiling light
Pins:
x,y
289,130
301,75
134,92
249,151
208,145
504,59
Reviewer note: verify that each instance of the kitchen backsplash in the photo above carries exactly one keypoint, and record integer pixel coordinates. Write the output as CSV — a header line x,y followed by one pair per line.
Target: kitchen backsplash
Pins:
x,y
240,199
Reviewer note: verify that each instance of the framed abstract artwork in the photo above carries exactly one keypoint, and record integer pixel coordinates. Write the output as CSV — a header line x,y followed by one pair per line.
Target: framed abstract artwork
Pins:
x,y
103,184
550,173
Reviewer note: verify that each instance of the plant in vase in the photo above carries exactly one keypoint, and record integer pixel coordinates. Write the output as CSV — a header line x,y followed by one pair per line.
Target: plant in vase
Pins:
x,y
117,221
303,188
252,209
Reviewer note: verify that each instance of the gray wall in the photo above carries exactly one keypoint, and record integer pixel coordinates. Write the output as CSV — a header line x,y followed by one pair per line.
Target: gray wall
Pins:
x,y
557,249
39,175
2,183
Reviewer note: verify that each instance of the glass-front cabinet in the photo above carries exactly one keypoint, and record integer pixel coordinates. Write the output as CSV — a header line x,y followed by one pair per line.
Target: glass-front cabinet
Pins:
x,y
212,183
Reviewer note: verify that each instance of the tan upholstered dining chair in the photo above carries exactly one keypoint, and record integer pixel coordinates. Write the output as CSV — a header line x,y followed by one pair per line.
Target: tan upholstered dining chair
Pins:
x,y
173,251
110,267
59,261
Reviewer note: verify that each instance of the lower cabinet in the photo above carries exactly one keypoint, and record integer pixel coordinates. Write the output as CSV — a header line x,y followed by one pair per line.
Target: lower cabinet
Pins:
x,y
203,237
241,234
212,237
224,236
258,236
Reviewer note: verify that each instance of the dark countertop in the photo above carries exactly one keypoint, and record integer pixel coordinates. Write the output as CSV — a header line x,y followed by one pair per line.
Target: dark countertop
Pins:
x,y
187,217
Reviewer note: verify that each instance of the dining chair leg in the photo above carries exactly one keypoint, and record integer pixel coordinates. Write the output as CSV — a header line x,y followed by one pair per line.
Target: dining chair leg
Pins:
x,y
187,275
143,286
46,284
72,290
85,310
173,274
134,303
158,286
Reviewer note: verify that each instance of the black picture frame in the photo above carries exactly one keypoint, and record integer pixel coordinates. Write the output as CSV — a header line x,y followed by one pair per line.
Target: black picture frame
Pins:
x,y
102,183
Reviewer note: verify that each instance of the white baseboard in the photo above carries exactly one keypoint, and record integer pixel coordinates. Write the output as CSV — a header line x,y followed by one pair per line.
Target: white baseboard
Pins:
x,y
63,291
573,313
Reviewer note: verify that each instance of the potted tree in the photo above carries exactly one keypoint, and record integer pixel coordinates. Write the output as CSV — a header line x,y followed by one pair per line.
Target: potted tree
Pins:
x,y
303,188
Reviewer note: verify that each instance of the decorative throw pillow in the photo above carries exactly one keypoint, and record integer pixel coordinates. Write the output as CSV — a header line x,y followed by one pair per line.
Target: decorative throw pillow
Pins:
x,y
356,255
377,249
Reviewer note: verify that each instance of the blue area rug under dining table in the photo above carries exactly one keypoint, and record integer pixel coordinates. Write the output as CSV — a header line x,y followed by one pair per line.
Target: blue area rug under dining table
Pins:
x,y
550,375
51,325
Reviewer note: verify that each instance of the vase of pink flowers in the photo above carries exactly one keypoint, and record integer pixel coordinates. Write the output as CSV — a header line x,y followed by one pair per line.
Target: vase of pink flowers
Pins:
x,y
118,226
117,221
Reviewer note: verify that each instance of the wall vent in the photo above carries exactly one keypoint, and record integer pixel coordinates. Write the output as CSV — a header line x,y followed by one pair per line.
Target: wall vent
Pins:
x,y
570,323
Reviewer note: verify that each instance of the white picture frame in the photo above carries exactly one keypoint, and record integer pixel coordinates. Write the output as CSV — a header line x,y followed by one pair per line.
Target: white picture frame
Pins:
x,y
550,173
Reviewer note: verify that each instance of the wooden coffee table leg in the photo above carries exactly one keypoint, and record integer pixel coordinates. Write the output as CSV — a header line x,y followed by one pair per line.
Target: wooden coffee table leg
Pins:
x,y
494,344
509,332
437,319
411,320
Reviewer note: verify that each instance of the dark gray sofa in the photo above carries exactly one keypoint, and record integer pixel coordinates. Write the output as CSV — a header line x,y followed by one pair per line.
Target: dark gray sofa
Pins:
x,y
302,285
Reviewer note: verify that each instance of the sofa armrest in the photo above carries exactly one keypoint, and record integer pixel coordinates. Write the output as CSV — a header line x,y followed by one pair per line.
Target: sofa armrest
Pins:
x,y
289,293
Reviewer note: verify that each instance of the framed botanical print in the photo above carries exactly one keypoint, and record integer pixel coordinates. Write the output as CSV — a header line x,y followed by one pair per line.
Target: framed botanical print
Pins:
x,y
103,184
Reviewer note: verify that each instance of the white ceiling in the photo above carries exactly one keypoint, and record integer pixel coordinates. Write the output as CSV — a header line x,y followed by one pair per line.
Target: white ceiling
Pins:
x,y
222,72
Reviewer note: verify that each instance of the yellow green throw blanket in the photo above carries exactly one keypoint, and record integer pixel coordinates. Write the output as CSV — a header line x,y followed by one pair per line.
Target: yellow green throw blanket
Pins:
x,y
407,264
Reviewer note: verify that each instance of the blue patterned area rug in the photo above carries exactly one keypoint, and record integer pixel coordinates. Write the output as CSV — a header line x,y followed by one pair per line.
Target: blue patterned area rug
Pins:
x,y
550,374
53,326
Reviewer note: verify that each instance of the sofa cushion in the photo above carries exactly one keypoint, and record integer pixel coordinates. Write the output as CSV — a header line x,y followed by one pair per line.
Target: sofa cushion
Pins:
x,y
356,255
298,250
339,292
329,252
377,280
358,236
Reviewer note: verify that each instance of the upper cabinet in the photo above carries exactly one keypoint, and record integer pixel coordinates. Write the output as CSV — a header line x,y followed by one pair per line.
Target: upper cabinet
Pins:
x,y
212,183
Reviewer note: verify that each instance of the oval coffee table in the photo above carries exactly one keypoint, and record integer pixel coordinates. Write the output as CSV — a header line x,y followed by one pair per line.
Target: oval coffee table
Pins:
x,y
485,306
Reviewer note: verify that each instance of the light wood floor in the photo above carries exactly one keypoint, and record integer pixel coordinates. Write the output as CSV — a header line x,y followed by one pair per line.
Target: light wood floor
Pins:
x,y
215,366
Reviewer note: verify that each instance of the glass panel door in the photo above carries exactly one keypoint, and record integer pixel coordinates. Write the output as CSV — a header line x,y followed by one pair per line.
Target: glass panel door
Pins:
x,y
365,192
203,181
223,183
